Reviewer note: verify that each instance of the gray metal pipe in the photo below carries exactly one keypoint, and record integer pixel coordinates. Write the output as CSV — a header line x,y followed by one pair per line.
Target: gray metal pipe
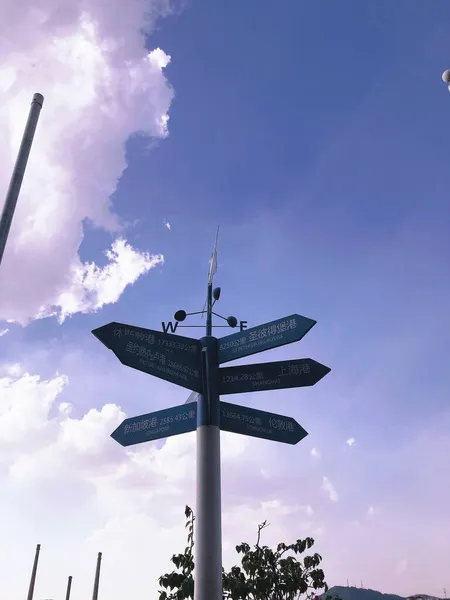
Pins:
x,y
33,573
19,170
97,577
69,587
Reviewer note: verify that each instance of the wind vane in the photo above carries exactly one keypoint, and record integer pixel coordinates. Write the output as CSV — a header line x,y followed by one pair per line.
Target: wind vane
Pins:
x,y
212,267
213,260
181,315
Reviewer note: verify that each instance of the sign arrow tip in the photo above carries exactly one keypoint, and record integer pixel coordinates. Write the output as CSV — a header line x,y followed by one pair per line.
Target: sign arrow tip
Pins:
x,y
99,333
116,434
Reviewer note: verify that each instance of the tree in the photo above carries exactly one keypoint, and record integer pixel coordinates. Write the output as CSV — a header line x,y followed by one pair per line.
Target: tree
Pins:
x,y
264,574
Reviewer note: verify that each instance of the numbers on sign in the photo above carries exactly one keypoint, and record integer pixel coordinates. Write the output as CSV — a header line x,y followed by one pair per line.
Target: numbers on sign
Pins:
x,y
231,415
177,345
242,377
229,344
248,419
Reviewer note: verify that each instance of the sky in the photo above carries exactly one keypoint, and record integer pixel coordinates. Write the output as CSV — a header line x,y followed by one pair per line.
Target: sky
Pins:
x,y
316,134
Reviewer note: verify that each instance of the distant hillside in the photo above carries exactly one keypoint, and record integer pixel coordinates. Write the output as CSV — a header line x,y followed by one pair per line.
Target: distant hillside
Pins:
x,y
353,593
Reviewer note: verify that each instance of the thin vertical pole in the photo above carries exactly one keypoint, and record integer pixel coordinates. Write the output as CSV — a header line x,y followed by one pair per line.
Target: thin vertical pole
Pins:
x,y
209,310
33,573
69,587
97,576
19,170
208,528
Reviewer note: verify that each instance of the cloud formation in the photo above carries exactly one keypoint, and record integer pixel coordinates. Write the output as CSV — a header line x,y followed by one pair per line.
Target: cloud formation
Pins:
x,y
92,287
100,86
67,464
329,489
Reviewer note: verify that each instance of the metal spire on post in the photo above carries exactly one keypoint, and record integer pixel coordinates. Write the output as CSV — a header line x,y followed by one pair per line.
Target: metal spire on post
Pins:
x,y
19,171
97,577
208,528
33,573
209,310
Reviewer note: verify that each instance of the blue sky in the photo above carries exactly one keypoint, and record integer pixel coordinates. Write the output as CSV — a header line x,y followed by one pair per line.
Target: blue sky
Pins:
x,y
315,135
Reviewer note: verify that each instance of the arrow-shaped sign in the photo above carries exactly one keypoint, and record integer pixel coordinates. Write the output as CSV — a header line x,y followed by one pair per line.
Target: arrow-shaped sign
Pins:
x,y
259,423
170,357
271,376
156,425
264,337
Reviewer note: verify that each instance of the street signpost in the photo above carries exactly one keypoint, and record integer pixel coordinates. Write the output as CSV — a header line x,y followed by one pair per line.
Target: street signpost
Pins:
x,y
278,375
259,423
156,425
194,364
264,337
170,357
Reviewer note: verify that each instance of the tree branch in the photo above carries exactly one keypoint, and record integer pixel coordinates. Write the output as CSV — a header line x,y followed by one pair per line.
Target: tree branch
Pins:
x,y
261,526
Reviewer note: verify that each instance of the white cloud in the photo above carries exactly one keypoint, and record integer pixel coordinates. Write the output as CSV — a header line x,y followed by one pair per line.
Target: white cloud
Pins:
x,y
12,369
3,332
25,403
371,511
100,86
315,453
40,439
351,442
167,224
79,445
329,488
65,408
92,287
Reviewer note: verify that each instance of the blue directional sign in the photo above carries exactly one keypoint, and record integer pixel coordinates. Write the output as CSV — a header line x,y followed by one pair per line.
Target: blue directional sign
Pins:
x,y
264,337
259,423
157,425
170,357
278,375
